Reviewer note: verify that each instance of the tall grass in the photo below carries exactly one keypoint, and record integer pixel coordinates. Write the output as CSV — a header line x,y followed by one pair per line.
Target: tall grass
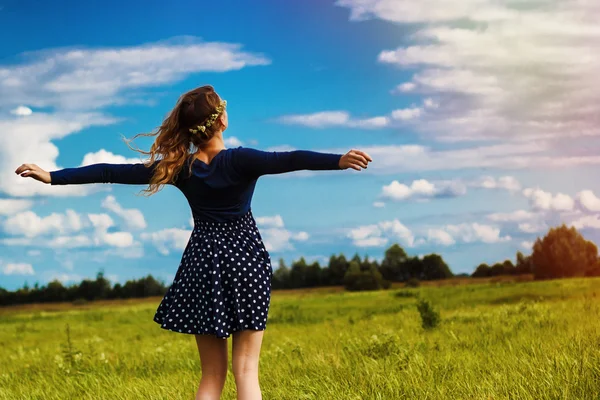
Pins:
x,y
530,340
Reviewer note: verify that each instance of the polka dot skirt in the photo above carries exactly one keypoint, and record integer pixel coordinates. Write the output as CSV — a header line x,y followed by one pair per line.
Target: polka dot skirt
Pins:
x,y
223,283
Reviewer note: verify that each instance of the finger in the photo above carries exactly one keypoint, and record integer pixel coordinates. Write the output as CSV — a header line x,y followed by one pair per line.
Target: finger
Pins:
x,y
358,165
24,167
354,167
365,155
361,162
358,157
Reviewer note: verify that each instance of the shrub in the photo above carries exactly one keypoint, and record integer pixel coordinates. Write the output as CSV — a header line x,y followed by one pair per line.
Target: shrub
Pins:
x,y
430,318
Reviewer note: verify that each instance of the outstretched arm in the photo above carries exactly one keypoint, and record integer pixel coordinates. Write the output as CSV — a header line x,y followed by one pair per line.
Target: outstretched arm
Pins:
x,y
251,162
132,174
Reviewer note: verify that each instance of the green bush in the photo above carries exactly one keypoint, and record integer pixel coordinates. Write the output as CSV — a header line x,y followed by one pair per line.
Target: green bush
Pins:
x,y
429,317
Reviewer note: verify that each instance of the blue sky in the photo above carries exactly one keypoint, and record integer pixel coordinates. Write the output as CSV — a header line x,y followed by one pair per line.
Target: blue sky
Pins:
x,y
481,119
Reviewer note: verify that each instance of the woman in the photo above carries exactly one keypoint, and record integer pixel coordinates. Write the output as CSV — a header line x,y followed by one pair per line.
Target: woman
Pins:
x,y
223,284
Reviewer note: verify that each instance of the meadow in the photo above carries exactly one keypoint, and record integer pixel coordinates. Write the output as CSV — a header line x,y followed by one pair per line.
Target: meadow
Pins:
x,y
496,340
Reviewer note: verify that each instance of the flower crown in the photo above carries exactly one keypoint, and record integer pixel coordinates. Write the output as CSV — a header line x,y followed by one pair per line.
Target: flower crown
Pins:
x,y
210,120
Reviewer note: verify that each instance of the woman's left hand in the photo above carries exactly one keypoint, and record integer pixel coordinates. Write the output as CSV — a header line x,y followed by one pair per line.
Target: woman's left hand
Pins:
x,y
33,171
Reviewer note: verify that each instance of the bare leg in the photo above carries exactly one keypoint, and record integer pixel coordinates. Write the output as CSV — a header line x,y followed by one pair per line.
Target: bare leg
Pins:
x,y
246,351
213,359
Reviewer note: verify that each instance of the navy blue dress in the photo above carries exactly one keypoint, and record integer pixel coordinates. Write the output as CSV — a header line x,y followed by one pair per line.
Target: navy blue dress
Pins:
x,y
223,283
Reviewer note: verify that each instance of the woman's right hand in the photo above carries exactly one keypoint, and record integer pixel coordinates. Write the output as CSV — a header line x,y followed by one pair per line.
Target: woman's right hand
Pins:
x,y
33,171
355,159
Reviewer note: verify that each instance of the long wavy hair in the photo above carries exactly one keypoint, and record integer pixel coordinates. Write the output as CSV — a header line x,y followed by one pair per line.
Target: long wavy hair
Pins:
x,y
174,142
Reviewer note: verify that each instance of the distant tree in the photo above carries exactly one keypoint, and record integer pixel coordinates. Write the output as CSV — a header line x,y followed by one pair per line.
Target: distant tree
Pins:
x,y
357,279
434,267
298,274
564,252
281,276
313,275
482,271
338,265
393,265
523,264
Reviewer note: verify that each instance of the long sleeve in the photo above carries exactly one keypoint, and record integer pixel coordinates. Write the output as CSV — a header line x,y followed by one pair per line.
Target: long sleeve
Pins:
x,y
254,163
132,174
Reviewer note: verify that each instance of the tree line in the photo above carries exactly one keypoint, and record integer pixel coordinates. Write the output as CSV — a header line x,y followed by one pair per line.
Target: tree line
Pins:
x,y
563,252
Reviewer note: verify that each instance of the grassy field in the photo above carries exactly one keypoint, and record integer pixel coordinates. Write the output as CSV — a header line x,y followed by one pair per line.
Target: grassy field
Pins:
x,y
496,340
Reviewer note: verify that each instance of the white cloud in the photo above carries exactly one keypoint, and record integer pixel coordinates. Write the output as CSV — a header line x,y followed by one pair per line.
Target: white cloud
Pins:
x,y
232,141
422,189
515,216
378,235
406,87
503,70
106,157
379,204
30,140
80,78
527,245
22,111
18,269
169,239
405,114
275,236
12,206
532,227
326,119
541,200
64,231
588,201
270,222
30,225
301,236
509,183
440,236
133,218
474,232
587,221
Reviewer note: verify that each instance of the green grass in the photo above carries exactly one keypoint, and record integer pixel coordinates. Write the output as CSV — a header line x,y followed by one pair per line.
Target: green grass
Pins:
x,y
533,340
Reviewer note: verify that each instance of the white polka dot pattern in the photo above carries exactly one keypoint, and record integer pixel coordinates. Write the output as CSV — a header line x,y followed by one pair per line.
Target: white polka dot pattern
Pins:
x,y
223,283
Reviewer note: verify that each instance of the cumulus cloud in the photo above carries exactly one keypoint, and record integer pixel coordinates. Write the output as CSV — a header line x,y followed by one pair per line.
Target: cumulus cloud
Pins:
x,y
378,235
501,70
21,111
587,222
29,224
18,269
106,157
133,218
64,231
275,236
588,201
31,141
527,245
422,189
541,200
12,206
167,240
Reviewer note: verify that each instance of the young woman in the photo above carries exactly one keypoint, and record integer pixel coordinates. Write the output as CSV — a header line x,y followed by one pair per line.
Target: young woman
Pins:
x,y
223,284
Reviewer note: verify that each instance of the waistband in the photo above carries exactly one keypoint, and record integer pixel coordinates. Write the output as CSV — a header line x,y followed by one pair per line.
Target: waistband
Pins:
x,y
245,221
